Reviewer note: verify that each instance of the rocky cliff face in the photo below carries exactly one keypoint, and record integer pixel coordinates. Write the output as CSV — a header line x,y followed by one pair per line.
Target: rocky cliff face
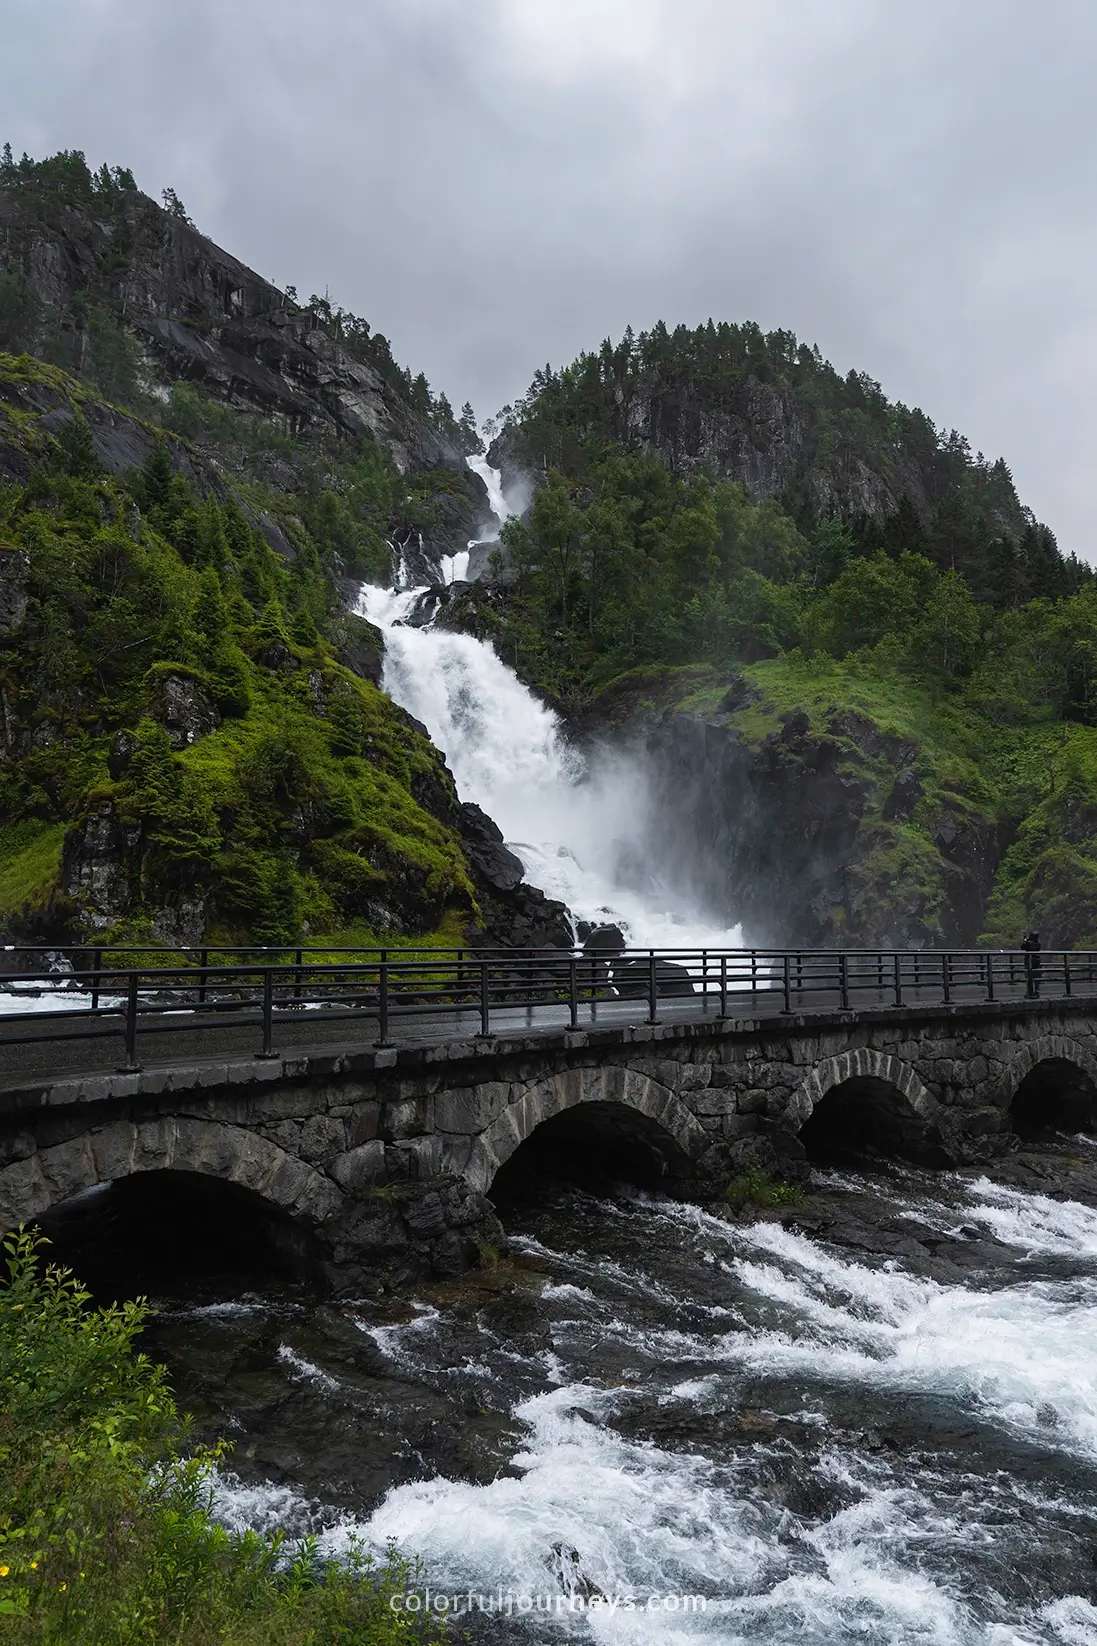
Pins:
x,y
813,829
199,316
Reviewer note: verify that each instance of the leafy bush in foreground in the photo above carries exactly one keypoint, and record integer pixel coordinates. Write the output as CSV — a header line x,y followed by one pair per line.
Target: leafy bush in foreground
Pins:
x,y
106,1534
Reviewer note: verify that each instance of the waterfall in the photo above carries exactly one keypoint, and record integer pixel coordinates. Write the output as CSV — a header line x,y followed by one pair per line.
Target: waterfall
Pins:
x,y
577,823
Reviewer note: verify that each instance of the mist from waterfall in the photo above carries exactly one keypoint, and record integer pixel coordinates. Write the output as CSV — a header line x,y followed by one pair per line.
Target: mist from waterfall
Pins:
x,y
577,822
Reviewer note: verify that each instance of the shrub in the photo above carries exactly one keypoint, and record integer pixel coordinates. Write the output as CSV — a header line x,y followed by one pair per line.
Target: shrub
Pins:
x,y
106,1531
757,1188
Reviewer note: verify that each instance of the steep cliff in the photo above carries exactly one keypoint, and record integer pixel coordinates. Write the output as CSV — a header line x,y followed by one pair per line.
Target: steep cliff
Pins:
x,y
98,279
730,402
193,742
825,806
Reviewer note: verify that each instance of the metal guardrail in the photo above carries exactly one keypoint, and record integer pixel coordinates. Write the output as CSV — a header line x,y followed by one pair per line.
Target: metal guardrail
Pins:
x,y
205,990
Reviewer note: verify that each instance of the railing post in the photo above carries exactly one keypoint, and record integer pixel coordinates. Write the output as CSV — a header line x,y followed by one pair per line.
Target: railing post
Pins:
x,y
787,984
297,976
843,979
946,978
990,976
704,980
485,1004
96,977
203,964
131,1064
799,973
723,985
1066,973
573,991
383,1040
653,989
753,974
268,1053
898,961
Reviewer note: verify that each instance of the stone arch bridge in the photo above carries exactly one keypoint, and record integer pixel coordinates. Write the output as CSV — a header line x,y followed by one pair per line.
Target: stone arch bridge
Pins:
x,y
386,1156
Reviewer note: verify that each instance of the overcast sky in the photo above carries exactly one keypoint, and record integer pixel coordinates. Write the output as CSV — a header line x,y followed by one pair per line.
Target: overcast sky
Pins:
x,y
499,183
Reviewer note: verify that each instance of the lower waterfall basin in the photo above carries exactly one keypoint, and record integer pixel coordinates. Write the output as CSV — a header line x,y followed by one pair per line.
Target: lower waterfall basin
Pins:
x,y
868,1418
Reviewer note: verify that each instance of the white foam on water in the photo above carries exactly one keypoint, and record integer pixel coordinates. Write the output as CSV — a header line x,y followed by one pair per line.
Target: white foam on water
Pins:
x,y
305,1369
578,825
265,1508
644,1521
393,1340
234,1310
1074,1621
1034,1222
1024,1357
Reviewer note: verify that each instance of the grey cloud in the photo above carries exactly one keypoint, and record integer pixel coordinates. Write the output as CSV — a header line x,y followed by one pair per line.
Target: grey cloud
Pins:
x,y
497,183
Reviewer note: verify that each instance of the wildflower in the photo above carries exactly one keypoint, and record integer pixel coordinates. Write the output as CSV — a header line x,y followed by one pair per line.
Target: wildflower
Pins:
x,y
62,1587
4,1570
34,1565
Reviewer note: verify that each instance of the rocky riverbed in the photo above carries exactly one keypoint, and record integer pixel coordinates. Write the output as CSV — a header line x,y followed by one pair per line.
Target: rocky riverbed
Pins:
x,y
871,1416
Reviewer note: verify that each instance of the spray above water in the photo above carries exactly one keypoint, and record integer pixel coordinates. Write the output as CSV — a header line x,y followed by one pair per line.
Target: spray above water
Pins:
x,y
577,822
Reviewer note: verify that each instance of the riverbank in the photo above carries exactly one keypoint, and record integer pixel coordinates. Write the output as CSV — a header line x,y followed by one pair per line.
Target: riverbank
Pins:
x,y
107,1534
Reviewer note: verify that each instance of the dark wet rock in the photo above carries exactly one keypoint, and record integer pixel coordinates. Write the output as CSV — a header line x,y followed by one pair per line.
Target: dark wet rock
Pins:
x,y
405,1231
632,979
905,794
122,750
514,915
482,840
604,940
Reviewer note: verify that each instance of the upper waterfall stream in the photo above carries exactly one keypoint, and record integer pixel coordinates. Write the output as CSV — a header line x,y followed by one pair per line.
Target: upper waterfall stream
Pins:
x,y
577,822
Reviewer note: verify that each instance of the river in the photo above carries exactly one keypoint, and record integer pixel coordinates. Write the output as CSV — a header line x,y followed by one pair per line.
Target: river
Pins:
x,y
874,1420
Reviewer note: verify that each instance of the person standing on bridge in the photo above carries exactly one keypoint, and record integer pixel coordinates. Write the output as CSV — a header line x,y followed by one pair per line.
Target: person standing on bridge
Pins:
x,y
1030,947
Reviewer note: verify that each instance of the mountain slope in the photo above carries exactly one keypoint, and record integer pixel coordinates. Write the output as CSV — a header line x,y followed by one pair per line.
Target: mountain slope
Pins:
x,y
193,743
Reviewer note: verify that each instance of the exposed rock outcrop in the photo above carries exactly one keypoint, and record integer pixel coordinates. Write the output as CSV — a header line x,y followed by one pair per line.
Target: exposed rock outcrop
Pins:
x,y
813,833
514,914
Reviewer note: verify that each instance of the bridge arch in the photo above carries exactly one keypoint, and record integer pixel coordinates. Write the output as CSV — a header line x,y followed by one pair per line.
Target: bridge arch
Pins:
x,y
121,1149
1052,1083
868,1098
659,1119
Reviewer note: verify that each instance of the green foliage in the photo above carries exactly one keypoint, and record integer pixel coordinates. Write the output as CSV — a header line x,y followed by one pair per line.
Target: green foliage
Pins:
x,y
757,1188
634,552
30,864
297,802
106,1532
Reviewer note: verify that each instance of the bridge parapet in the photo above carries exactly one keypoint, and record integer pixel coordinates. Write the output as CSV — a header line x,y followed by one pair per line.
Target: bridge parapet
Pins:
x,y
387,1154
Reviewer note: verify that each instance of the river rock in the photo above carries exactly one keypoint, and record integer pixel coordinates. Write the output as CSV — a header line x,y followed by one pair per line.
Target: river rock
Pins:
x,y
631,979
605,940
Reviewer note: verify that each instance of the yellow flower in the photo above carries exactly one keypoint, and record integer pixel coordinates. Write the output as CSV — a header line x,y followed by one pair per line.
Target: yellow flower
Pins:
x,y
62,1587
4,1570
34,1565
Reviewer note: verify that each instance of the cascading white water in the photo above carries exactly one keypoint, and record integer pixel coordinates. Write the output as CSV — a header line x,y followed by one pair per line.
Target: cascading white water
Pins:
x,y
577,825
687,1372
493,480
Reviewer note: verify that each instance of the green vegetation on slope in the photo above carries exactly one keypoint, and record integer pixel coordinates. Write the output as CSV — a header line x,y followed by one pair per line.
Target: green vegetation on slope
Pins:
x,y
945,632
106,1531
176,705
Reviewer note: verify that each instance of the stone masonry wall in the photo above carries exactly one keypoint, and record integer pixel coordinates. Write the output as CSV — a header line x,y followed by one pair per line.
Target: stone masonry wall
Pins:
x,y
388,1156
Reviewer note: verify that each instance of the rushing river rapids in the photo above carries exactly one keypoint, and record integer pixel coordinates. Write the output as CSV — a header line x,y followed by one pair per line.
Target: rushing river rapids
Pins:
x,y
870,1419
